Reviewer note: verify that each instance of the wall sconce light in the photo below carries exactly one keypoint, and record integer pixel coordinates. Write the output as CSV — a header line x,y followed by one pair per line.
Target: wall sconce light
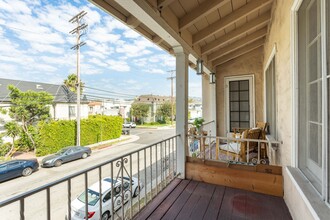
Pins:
x,y
212,78
199,68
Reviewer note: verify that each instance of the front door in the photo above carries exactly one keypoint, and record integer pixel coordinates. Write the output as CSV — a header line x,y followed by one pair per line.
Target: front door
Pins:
x,y
239,102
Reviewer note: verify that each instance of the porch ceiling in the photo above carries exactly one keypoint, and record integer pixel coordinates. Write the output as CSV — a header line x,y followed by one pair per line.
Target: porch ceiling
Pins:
x,y
215,30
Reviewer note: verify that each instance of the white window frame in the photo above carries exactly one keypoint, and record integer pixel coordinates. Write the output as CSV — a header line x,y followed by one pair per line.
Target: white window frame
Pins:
x,y
270,59
294,51
250,78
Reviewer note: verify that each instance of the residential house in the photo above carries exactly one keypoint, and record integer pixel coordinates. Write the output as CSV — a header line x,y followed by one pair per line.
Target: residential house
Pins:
x,y
195,108
153,101
64,106
111,107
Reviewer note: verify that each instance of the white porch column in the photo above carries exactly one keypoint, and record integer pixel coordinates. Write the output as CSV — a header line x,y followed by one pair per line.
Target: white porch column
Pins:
x,y
209,104
181,107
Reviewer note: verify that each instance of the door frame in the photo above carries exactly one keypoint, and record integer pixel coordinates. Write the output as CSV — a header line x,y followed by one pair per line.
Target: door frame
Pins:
x,y
250,78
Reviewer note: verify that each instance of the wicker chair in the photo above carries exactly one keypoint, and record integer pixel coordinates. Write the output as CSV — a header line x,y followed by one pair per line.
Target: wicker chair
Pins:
x,y
239,149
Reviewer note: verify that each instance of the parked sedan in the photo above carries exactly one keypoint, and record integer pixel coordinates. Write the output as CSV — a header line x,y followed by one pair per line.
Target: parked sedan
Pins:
x,y
94,201
15,168
129,125
65,155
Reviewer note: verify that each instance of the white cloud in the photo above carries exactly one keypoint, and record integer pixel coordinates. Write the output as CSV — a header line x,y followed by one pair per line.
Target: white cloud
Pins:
x,y
120,66
14,6
132,50
155,71
47,48
97,62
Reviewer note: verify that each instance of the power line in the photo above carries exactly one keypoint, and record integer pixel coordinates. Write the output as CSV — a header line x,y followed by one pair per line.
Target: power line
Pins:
x,y
102,90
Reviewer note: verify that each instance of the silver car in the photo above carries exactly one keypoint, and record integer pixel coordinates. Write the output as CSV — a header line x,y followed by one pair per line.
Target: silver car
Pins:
x,y
65,155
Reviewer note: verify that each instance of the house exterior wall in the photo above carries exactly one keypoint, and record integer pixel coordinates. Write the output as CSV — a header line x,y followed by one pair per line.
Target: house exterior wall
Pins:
x,y
240,66
279,37
62,111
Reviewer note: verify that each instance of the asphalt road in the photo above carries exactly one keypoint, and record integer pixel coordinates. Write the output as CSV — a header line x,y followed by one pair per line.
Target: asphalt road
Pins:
x,y
35,206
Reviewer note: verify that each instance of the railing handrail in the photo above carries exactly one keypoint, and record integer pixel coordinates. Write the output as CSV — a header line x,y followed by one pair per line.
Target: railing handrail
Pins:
x,y
56,182
236,139
209,122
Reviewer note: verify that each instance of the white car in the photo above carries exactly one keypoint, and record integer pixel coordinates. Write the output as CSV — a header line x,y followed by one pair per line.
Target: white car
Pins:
x,y
78,205
129,125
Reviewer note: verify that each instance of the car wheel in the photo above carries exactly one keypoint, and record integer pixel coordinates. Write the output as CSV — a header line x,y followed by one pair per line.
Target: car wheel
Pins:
x,y
136,191
105,216
58,163
85,155
27,171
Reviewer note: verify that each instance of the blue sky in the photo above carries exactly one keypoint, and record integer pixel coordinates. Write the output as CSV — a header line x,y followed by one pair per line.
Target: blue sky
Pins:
x,y
35,46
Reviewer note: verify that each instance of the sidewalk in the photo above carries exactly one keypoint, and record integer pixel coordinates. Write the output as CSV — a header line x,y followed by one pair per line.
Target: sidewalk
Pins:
x,y
123,139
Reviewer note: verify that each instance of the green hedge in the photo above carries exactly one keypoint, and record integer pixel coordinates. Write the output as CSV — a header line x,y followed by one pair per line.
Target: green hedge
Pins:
x,y
55,135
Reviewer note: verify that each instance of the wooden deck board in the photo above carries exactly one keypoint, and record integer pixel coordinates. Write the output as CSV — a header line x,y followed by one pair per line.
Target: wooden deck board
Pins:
x,y
197,200
179,203
161,210
149,209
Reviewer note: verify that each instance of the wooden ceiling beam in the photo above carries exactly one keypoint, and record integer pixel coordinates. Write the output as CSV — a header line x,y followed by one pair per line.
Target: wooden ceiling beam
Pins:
x,y
259,21
238,44
107,7
164,3
239,52
230,19
132,21
156,39
202,10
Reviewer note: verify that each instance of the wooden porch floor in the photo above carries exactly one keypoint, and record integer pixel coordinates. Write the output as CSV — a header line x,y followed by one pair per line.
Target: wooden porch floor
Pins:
x,y
188,199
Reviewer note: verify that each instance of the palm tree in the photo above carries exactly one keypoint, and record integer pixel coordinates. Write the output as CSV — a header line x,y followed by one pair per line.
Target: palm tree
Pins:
x,y
71,83
13,131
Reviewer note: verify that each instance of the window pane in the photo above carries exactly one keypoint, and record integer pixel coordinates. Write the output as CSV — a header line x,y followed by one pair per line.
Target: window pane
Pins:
x,y
313,59
314,102
313,16
234,96
233,85
244,85
244,106
244,125
314,142
244,116
234,116
234,106
244,96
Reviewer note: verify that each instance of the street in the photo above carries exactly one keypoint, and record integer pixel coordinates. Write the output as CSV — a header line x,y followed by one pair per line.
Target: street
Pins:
x,y
35,205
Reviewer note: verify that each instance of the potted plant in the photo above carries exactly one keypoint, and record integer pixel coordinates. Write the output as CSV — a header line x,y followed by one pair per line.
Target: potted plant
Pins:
x,y
199,124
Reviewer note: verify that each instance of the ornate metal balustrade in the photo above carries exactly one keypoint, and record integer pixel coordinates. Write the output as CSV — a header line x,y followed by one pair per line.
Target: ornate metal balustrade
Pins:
x,y
149,170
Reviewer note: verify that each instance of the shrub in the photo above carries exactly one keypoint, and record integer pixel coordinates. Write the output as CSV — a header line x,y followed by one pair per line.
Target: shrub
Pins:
x,y
55,135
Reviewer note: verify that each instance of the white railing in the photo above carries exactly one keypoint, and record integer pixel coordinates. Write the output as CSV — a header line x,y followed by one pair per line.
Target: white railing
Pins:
x,y
228,149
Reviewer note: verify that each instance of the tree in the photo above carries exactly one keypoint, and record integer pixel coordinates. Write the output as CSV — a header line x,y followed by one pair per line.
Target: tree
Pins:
x,y
12,130
71,83
140,110
29,107
164,111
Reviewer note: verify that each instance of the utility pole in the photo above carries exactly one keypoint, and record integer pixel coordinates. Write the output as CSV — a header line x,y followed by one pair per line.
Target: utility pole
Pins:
x,y
79,31
171,78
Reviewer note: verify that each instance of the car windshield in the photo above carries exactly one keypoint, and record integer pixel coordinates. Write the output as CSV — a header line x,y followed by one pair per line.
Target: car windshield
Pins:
x,y
92,197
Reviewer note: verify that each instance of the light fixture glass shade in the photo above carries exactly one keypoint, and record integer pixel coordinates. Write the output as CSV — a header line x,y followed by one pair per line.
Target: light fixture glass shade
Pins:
x,y
212,78
199,68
